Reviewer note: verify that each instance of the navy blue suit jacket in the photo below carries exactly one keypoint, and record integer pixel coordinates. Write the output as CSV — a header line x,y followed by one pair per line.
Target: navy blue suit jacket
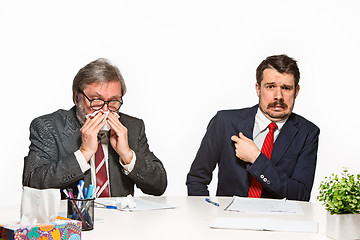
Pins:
x,y
289,174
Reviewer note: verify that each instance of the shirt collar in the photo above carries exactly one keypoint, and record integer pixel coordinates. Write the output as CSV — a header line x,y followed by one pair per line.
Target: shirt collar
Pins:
x,y
103,136
262,122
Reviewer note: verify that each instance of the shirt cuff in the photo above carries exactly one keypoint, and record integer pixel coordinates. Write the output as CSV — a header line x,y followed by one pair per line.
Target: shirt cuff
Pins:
x,y
129,167
84,166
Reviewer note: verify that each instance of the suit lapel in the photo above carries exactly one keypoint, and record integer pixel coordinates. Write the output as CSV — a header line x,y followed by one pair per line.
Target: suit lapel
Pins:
x,y
71,136
248,120
248,130
284,139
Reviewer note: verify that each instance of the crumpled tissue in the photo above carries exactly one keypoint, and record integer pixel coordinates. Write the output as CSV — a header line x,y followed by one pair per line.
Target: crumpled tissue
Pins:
x,y
107,126
120,202
128,201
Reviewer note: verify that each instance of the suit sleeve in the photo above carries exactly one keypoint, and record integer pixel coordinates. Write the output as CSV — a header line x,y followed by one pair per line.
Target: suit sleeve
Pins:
x,y
208,155
43,168
149,173
293,176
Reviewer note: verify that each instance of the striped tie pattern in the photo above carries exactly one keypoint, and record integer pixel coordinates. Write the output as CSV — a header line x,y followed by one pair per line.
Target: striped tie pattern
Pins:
x,y
255,187
102,179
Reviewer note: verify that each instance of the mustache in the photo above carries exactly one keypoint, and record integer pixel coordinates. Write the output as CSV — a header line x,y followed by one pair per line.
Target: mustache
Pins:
x,y
277,103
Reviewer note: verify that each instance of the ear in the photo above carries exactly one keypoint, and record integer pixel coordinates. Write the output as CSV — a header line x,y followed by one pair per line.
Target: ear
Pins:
x,y
75,98
257,87
297,90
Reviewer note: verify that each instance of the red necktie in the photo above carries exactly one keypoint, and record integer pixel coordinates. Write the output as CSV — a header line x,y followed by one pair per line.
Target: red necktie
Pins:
x,y
255,187
102,179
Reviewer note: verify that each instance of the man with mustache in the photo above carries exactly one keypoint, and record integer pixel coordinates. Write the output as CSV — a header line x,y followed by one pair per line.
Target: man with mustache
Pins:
x,y
263,151
93,141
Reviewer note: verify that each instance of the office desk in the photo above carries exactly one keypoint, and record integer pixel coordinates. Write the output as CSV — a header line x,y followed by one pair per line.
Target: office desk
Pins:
x,y
189,220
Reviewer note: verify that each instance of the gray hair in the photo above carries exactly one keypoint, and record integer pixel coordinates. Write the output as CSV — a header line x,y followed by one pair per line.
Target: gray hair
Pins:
x,y
98,71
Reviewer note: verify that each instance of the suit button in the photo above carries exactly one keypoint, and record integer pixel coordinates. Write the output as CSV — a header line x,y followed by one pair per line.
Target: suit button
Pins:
x,y
261,176
140,176
265,179
268,182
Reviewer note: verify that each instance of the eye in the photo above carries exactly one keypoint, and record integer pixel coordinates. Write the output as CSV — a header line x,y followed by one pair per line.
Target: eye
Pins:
x,y
287,88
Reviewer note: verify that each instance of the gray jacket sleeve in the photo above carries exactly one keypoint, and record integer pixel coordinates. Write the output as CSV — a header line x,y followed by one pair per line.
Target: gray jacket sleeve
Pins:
x,y
149,173
48,164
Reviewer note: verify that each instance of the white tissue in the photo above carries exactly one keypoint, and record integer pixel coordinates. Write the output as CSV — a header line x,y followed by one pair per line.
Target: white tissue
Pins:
x,y
39,205
121,202
106,126
127,202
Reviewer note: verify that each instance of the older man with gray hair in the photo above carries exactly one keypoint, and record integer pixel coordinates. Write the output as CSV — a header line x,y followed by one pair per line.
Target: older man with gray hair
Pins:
x,y
93,141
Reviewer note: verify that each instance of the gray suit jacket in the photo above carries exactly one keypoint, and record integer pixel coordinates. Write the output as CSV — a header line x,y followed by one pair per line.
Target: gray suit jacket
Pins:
x,y
51,162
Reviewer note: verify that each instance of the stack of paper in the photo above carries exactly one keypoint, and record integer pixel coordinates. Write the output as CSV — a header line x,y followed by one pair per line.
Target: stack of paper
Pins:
x,y
268,207
264,205
138,204
265,224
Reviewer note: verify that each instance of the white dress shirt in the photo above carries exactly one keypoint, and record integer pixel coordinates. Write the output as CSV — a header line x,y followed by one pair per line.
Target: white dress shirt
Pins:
x,y
84,165
261,128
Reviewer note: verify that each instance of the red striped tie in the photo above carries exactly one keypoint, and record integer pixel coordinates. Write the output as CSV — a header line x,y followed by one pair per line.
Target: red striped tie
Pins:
x,y
102,179
255,187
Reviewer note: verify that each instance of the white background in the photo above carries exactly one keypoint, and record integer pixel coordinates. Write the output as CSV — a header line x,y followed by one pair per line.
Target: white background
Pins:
x,y
182,62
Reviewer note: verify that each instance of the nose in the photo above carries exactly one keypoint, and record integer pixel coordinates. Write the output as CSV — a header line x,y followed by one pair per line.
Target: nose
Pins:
x,y
105,107
278,94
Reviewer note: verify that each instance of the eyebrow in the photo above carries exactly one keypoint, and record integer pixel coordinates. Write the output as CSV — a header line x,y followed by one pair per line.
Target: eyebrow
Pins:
x,y
269,83
116,97
287,85
282,85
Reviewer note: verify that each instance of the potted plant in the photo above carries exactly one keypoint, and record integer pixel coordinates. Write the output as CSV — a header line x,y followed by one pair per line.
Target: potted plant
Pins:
x,y
341,197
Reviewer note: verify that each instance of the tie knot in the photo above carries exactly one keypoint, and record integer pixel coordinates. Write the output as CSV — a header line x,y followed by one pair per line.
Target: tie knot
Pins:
x,y
103,137
272,126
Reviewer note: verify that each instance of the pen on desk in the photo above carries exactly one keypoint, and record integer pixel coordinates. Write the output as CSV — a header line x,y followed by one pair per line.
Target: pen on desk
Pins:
x,y
111,207
214,203
107,206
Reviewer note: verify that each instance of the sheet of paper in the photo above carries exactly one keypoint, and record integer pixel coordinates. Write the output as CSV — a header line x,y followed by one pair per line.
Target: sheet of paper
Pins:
x,y
141,204
146,205
264,205
265,224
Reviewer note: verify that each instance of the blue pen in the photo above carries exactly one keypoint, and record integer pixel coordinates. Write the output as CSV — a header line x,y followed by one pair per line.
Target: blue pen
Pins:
x,y
80,194
214,203
111,207
90,191
107,206
82,183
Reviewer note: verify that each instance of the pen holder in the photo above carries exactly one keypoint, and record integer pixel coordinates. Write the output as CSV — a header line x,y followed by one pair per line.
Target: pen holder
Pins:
x,y
83,211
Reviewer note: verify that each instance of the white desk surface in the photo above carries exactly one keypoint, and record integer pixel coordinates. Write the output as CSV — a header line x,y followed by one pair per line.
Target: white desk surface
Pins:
x,y
190,219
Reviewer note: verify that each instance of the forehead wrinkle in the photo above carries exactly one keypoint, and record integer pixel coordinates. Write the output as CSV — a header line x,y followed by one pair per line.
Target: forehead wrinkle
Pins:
x,y
280,84
99,95
270,83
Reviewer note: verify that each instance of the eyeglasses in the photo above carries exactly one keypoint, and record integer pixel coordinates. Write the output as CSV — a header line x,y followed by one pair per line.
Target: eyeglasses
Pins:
x,y
97,104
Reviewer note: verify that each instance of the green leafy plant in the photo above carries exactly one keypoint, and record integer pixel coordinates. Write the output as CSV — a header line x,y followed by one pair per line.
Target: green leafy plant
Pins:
x,y
341,194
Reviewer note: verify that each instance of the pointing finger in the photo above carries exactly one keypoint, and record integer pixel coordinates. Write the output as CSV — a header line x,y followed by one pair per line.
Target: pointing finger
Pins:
x,y
235,138
242,136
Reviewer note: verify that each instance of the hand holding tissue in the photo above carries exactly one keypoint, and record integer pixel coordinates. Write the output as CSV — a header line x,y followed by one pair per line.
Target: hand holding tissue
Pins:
x,y
95,125
107,126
